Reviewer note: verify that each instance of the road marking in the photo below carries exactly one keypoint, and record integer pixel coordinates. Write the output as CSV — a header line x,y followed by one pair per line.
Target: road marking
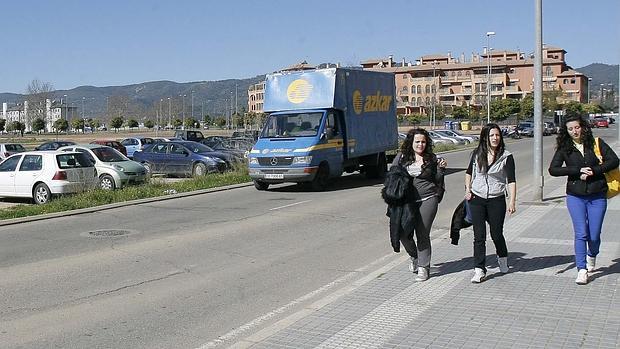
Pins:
x,y
311,308
285,206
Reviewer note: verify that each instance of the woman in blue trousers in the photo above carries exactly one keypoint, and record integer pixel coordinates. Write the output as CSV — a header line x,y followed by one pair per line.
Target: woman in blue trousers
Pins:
x,y
586,188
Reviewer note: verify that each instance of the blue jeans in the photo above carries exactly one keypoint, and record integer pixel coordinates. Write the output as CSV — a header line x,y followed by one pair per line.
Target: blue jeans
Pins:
x,y
587,213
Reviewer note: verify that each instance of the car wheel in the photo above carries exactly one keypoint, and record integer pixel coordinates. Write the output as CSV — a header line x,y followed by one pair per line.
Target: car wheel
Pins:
x,y
200,169
321,179
261,185
41,194
148,167
106,182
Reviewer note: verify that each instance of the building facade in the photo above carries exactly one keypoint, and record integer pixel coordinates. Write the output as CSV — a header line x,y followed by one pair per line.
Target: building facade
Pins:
x,y
446,81
23,113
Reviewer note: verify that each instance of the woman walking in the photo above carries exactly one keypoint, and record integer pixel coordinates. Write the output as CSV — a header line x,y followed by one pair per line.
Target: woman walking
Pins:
x,y
426,171
586,188
490,172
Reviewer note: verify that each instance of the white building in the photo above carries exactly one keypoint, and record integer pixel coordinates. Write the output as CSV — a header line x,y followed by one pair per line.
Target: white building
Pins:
x,y
20,112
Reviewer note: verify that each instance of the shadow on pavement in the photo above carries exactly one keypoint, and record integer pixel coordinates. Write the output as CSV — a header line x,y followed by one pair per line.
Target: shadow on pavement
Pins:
x,y
614,268
336,184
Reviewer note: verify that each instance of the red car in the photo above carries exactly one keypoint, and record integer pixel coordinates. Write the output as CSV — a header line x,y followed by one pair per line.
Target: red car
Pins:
x,y
601,122
112,144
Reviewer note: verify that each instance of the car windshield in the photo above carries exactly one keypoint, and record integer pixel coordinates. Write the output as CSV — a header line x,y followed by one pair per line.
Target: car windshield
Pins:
x,y
73,160
197,147
292,125
107,154
525,124
14,147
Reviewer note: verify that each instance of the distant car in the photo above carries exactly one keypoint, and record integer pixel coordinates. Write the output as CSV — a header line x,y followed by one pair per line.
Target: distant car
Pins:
x,y
174,158
601,122
457,135
189,135
53,145
435,135
112,144
114,169
8,149
526,128
42,174
133,144
549,128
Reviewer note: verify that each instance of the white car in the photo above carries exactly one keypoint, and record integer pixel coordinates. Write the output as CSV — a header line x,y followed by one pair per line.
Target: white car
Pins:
x,y
114,169
453,140
456,135
42,174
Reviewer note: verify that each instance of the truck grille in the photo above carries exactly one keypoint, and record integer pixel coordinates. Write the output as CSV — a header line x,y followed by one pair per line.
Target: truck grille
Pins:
x,y
275,161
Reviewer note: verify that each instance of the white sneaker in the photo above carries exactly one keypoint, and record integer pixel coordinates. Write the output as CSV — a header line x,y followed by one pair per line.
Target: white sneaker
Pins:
x,y
422,274
479,275
582,277
503,264
413,265
590,263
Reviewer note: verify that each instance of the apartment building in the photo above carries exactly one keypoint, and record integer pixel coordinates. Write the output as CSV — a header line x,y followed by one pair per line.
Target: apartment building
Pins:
x,y
23,113
447,81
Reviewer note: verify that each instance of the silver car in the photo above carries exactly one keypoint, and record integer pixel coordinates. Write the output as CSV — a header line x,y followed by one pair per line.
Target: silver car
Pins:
x,y
8,149
114,169
458,135
446,138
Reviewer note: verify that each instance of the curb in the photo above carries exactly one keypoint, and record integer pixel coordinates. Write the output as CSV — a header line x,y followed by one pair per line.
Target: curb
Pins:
x,y
14,221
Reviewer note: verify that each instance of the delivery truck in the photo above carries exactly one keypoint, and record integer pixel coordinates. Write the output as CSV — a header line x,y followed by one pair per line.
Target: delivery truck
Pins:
x,y
322,123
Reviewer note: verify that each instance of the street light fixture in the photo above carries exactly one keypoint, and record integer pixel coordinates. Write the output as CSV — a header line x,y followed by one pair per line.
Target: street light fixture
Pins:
x,y
588,87
489,34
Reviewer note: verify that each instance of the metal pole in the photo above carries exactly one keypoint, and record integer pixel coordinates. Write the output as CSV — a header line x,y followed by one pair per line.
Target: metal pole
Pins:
x,y
192,104
538,101
169,113
183,111
618,114
588,81
433,101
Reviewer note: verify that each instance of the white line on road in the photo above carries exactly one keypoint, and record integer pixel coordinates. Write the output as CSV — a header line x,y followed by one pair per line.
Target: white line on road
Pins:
x,y
285,206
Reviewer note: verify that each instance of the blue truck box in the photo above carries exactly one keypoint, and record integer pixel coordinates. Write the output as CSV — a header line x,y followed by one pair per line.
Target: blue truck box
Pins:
x,y
322,123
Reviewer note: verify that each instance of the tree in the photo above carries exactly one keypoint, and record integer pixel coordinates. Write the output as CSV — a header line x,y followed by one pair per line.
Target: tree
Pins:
x,y
132,123
177,123
2,124
38,124
37,94
61,125
78,124
592,108
527,106
220,121
149,124
503,108
460,112
18,126
116,122
573,108
95,123
191,123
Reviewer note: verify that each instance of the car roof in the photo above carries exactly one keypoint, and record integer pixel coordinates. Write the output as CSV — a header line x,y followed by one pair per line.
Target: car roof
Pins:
x,y
87,146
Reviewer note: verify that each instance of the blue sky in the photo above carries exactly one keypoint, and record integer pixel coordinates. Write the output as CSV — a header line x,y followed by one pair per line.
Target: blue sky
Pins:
x,y
72,43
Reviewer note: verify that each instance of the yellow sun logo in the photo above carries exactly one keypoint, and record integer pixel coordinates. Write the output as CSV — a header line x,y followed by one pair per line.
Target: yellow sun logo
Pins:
x,y
298,91
358,102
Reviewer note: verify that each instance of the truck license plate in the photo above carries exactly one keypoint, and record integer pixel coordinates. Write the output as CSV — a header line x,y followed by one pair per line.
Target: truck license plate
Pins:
x,y
274,176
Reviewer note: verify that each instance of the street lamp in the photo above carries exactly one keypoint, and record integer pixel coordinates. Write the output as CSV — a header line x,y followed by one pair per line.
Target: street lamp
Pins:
x,y
192,104
489,34
433,101
169,113
183,112
588,87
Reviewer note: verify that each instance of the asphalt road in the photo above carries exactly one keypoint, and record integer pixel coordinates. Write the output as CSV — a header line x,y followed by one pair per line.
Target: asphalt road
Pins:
x,y
192,269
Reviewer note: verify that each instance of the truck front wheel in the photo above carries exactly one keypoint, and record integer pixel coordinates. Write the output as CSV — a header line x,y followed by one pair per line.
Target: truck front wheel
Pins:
x,y
321,179
261,185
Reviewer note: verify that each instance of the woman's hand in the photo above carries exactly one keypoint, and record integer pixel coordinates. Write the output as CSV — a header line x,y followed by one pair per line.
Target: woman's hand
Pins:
x,y
587,171
511,207
468,195
442,163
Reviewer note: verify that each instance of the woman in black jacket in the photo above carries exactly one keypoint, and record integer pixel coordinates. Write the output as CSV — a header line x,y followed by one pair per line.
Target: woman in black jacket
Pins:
x,y
426,171
586,188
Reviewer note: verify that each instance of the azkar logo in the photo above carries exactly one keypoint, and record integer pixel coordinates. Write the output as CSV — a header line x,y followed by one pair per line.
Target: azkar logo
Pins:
x,y
371,103
298,91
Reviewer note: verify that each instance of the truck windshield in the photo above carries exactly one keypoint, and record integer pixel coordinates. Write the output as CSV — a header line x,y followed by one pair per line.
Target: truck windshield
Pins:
x,y
292,125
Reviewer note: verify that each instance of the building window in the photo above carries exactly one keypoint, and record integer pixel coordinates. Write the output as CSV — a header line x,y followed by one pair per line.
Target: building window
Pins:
x,y
428,89
413,89
428,100
420,89
459,73
433,88
572,81
419,101
548,71
404,76
565,81
467,73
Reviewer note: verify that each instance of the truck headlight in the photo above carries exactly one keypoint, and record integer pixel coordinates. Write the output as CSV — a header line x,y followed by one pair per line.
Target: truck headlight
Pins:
x,y
253,161
302,160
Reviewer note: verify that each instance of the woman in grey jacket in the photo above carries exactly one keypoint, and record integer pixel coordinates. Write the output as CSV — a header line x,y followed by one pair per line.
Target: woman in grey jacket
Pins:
x,y
490,172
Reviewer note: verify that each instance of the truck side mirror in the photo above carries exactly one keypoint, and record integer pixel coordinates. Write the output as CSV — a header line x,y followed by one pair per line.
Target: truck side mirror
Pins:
x,y
328,133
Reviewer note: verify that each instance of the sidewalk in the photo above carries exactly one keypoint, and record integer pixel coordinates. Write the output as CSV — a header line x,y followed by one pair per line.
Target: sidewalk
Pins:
x,y
536,305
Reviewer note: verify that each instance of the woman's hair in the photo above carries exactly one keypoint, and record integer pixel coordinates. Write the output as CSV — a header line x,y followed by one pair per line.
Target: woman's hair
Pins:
x,y
565,142
482,150
407,147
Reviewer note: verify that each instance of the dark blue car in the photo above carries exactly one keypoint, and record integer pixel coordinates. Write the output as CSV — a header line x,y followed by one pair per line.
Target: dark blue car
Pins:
x,y
179,158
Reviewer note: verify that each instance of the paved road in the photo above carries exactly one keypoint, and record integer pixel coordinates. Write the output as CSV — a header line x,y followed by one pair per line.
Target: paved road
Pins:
x,y
194,269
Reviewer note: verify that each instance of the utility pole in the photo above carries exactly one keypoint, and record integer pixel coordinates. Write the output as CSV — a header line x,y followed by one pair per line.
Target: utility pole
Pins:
x,y
169,113
538,101
489,76
192,104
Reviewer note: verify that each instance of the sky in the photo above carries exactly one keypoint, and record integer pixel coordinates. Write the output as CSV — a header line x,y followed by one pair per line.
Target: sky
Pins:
x,y
72,43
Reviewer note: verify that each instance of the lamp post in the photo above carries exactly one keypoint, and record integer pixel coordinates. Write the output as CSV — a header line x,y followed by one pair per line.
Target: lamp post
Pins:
x,y
489,34
169,113
433,101
192,104
83,118
183,110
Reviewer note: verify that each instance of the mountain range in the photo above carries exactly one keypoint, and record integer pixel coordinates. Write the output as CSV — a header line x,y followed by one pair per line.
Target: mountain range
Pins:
x,y
213,98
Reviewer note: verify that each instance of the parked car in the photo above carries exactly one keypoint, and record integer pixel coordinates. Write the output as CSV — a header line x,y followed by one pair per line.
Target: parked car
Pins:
x,y
174,158
526,128
133,144
112,144
457,135
114,169
226,147
549,128
8,149
251,134
189,135
435,135
42,174
53,145
601,122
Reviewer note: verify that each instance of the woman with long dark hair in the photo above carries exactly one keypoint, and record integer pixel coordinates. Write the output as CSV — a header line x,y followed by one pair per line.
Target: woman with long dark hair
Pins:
x,y
586,188
491,172
427,171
